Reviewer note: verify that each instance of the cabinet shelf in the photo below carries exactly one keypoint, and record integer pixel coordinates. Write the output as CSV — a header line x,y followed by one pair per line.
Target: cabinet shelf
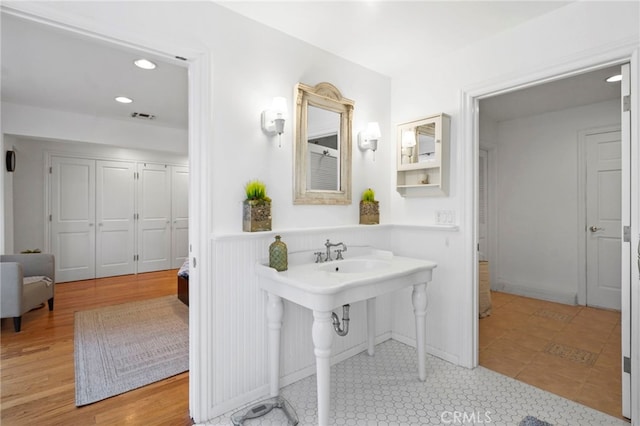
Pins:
x,y
418,166
427,138
420,185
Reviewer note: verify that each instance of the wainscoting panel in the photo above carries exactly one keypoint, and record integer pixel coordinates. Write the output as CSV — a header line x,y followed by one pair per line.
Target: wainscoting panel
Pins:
x,y
443,292
239,330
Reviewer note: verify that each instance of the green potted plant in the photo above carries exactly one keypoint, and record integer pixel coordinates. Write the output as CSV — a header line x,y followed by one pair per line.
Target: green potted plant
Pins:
x,y
256,209
369,208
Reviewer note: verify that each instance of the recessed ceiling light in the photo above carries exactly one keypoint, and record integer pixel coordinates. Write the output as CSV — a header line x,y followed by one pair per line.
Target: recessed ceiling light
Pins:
x,y
124,100
145,64
614,78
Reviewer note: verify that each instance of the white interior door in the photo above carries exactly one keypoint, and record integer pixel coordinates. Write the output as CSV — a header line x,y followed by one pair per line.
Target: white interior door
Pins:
x,y
154,217
604,243
179,215
115,194
73,218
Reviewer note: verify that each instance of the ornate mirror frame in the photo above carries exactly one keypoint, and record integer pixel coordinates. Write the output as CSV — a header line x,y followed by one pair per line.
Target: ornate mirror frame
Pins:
x,y
325,96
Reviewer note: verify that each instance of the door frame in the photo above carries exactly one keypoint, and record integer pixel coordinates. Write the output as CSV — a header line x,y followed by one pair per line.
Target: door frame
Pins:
x,y
623,52
582,207
200,107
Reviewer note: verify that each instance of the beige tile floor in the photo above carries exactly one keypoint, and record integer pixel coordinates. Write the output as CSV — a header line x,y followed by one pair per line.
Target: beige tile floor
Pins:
x,y
572,351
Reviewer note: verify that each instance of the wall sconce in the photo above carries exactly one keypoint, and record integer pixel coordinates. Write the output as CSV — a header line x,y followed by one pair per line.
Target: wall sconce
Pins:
x,y
273,118
408,143
368,139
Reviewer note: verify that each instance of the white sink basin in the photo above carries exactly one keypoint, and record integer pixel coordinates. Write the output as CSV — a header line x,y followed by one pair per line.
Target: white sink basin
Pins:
x,y
324,286
355,266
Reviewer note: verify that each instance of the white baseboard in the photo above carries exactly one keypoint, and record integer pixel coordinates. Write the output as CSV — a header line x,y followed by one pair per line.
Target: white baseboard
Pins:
x,y
411,341
537,293
228,406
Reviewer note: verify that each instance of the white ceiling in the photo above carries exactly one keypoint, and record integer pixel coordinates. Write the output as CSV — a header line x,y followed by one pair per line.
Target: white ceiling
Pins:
x,y
385,35
579,90
51,68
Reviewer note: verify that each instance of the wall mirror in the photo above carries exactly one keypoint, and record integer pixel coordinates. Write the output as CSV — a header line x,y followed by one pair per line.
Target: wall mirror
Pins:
x,y
322,148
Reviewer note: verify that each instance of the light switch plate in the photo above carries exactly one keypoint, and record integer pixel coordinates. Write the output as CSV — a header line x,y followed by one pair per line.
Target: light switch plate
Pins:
x,y
445,217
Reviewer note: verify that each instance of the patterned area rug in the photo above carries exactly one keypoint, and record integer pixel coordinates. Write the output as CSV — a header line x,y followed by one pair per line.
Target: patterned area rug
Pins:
x,y
577,355
123,347
553,315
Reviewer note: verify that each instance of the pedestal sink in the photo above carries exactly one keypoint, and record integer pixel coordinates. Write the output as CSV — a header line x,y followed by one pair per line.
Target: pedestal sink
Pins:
x,y
323,287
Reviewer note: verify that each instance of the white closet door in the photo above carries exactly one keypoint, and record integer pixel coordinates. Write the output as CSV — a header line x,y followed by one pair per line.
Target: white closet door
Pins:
x,y
179,215
115,193
154,217
73,218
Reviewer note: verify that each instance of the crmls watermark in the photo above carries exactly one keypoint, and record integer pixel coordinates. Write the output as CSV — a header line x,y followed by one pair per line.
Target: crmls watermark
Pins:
x,y
465,418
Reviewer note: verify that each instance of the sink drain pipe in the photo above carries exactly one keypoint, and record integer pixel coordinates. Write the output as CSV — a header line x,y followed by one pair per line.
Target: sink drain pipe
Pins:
x,y
345,321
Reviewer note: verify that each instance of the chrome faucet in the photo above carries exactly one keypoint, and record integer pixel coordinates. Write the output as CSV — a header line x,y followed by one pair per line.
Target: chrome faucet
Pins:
x,y
328,245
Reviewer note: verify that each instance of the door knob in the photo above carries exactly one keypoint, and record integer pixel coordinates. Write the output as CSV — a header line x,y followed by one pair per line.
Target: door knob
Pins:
x,y
594,228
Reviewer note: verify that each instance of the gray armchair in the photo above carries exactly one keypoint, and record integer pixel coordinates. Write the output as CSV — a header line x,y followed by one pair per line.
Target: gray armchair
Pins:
x,y
26,281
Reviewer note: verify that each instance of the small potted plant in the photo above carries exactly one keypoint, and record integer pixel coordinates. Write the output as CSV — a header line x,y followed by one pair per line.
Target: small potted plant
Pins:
x,y
256,209
369,208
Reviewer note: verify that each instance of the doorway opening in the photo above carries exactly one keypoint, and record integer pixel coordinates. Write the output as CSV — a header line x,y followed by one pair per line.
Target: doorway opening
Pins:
x,y
198,64
111,188
531,231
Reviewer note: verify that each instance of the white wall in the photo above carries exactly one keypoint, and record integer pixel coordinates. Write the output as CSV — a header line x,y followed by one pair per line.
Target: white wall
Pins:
x,y
537,200
6,200
35,122
564,40
29,181
241,92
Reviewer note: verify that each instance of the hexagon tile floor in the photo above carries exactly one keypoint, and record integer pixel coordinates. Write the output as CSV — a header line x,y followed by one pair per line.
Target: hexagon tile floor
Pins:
x,y
384,390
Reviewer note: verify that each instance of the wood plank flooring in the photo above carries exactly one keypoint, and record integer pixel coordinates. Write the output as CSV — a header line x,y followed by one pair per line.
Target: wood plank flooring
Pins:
x,y
37,382
572,351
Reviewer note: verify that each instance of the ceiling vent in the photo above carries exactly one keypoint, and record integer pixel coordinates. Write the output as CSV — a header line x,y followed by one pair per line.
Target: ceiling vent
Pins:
x,y
143,116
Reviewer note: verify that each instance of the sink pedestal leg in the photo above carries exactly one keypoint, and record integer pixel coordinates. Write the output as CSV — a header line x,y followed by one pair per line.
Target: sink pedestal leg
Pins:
x,y
275,310
322,333
371,325
419,299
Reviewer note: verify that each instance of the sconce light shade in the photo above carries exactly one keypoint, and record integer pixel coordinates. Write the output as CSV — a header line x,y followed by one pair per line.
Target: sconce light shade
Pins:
x,y
273,119
408,139
368,139
279,106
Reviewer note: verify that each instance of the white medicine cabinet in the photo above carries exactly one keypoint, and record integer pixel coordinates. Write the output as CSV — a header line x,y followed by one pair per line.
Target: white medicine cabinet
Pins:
x,y
423,157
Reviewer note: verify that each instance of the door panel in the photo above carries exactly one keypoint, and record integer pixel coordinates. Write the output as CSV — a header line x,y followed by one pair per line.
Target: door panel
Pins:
x,y
73,218
604,245
115,188
180,215
154,210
